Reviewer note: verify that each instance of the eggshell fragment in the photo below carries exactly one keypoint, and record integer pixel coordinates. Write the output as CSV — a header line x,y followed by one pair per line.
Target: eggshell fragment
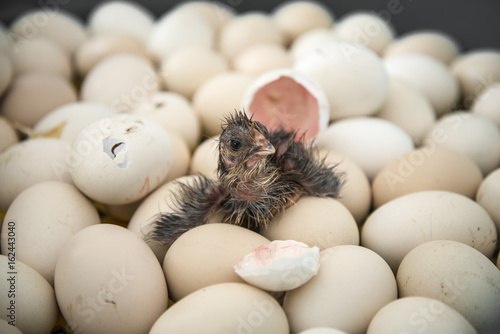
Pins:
x,y
224,308
400,225
104,287
488,196
261,58
205,158
27,298
419,314
426,168
205,255
352,284
456,274
8,135
486,104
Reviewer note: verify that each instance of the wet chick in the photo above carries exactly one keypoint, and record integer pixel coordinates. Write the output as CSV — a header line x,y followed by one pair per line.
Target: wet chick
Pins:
x,y
260,175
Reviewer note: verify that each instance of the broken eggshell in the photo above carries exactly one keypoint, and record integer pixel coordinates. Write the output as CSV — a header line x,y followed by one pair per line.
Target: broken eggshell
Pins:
x,y
279,265
286,98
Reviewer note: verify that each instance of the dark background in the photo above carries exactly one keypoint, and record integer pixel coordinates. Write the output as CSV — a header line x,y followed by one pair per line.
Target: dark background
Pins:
x,y
473,23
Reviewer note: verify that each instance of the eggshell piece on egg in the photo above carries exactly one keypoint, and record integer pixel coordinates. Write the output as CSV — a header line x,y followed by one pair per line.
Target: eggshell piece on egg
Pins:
x,y
488,196
487,102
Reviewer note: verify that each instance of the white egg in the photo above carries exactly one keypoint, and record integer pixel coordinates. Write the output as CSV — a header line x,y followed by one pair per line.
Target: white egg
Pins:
x,y
488,196
205,158
310,40
486,104
8,135
182,157
260,58
216,13
322,330
6,72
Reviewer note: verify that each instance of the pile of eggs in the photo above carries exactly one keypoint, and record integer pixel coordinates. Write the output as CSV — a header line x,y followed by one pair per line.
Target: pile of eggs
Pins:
x,y
97,120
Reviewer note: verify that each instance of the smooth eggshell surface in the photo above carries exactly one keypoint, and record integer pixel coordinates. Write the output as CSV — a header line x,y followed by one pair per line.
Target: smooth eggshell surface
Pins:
x,y
216,13
456,274
261,58
205,158
322,330
8,135
108,281
311,40
352,284
7,328
486,104
488,196
6,71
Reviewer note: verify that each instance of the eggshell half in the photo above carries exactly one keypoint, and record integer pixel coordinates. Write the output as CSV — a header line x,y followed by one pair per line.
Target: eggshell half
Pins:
x,y
488,196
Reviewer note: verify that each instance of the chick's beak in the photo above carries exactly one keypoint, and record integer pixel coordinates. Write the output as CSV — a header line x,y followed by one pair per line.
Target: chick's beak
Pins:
x,y
263,146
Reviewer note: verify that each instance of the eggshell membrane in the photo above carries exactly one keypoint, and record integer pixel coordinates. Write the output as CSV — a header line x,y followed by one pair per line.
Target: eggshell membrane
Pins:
x,y
425,315
487,103
352,284
409,109
224,308
261,58
216,13
205,158
126,290
109,84
8,135
430,76
321,222
6,72
488,196
456,274
189,67
46,92
297,17
426,168
470,134
400,225
285,98
29,162
322,330
247,30
346,72
205,255
35,303
370,142
218,96
6,328
311,40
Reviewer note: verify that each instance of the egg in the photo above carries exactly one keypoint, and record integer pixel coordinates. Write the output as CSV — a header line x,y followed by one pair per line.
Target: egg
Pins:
x,y
29,162
310,40
285,98
419,315
321,222
456,274
6,328
205,158
435,44
246,30
6,72
121,82
486,104
426,168
488,196
205,255
182,160
346,72
120,214
109,163
352,284
409,109
365,29
104,287
215,13
369,142
322,330
224,308
430,76
400,225
46,92
189,67
260,58
218,96
28,300
8,135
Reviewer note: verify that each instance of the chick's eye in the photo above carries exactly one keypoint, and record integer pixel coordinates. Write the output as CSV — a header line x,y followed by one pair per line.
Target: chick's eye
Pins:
x,y
235,144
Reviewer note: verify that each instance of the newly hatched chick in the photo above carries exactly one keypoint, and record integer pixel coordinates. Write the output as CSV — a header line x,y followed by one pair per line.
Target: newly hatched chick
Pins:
x,y
260,175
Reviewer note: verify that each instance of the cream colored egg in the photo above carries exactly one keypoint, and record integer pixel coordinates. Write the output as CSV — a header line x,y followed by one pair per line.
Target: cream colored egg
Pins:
x,y
27,298
120,159
224,308
177,29
419,315
66,121
409,109
321,222
346,72
247,30
216,13
470,134
365,29
218,96
121,81
5,41
6,72
297,17
182,157
430,76
435,44
205,158
311,40
46,215
41,55
189,67
29,162
8,135
486,104
426,168
121,17
370,142
400,225
174,113
476,70
205,255
97,47
107,280
322,330
352,284
488,196
7,328
456,274
46,92
261,58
